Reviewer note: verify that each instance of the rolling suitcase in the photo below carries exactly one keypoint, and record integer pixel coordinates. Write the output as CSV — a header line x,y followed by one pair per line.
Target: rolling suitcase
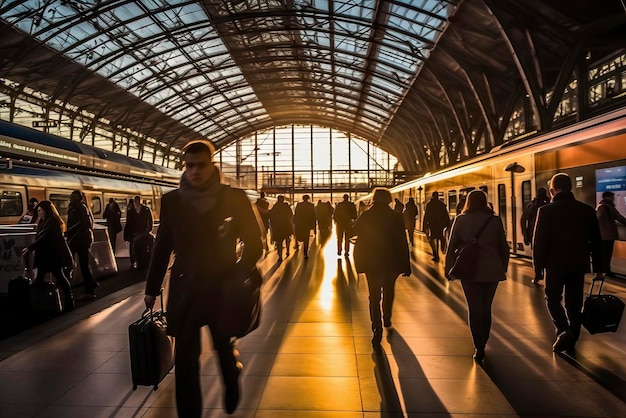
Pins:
x,y
601,313
151,350
19,297
45,297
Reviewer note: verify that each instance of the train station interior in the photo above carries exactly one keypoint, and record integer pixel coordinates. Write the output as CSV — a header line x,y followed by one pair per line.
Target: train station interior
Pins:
x,y
323,98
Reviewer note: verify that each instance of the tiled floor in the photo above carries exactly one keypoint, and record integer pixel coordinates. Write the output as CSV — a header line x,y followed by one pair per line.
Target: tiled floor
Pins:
x,y
312,355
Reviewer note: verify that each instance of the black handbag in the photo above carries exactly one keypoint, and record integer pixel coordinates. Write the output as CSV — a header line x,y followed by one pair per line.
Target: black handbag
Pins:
x,y
240,310
466,257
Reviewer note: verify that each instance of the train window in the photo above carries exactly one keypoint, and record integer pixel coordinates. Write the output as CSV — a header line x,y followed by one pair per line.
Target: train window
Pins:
x,y
502,203
61,201
96,205
11,203
526,194
452,199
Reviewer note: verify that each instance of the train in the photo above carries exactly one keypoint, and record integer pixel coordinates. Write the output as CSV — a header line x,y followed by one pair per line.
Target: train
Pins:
x,y
38,165
591,152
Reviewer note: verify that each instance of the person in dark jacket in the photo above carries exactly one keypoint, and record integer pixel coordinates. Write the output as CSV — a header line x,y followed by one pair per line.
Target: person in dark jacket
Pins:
x,y
398,206
263,207
409,214
382,253
436,219
566,235
30,217
52,254
281,222
492,263
80,237
344,215
113,215
607,217
304,222
323,220
202,222
528,220
139,224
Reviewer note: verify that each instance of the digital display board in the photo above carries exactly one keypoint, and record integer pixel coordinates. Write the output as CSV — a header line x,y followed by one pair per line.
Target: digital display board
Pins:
x,y
612,179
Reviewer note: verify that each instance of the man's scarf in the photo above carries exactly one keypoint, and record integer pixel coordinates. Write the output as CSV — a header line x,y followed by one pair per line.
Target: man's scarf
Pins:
x,y
202,198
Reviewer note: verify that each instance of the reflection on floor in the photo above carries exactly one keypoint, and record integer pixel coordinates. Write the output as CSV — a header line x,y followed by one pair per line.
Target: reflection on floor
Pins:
x,y
312,355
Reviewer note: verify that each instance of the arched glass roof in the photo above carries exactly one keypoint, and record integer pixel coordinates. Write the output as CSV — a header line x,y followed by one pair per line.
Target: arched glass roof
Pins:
x,y
226,68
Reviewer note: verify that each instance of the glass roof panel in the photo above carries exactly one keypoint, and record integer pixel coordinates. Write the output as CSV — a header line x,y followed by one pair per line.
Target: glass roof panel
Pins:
x,y
218,66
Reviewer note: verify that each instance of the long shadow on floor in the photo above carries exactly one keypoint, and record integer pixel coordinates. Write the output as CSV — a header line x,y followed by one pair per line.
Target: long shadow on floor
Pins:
x,y
418,394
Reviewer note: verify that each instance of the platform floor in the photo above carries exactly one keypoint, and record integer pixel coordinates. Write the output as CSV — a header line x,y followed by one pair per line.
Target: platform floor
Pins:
x,y
312,355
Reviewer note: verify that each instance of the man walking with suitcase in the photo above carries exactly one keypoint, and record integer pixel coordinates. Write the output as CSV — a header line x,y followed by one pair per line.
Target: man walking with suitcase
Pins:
x,y
201,222
566,233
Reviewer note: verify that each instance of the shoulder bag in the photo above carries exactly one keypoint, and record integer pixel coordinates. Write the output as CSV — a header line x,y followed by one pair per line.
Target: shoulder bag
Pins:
x,y
466,257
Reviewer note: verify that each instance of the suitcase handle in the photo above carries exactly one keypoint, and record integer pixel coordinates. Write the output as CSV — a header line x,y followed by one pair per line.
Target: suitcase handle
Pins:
x,y
593,282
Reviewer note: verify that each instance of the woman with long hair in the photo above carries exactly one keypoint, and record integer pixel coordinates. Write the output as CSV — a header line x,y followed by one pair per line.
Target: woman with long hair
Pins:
x,y
491,263
51,251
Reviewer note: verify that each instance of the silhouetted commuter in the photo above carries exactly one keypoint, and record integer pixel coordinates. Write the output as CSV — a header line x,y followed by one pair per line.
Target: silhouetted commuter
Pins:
x,y
344,215
492,263
565,233
80,237
607,217
263,207
52,254
139,224
528,220
281,222
398,206
201,222
436,219
409,214
30,217
323,220
460,206
304,222
113,215
382,253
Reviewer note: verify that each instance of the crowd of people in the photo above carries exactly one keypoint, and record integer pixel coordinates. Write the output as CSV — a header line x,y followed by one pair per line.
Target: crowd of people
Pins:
x,y
204,221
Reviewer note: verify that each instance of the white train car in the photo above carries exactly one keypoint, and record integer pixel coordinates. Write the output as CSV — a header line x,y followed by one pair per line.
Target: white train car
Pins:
x,y
592,152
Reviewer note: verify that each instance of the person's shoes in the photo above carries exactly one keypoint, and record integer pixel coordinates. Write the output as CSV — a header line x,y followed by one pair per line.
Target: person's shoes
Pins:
x,y
387,323
338,252
231,393
347,254
435,259
287,254
306,255
563,342
479,355
378,337
280,259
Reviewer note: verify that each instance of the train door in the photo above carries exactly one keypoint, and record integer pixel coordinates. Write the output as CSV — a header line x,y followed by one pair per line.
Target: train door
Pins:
x,y
502,208
526,198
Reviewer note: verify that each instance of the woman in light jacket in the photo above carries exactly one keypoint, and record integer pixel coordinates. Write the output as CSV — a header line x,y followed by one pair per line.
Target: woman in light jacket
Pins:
x,y
382,253
492,263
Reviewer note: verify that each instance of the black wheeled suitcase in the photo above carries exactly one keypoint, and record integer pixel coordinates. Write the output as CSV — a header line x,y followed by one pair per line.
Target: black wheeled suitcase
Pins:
x,y
45,297
601,313
19,297
151,350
